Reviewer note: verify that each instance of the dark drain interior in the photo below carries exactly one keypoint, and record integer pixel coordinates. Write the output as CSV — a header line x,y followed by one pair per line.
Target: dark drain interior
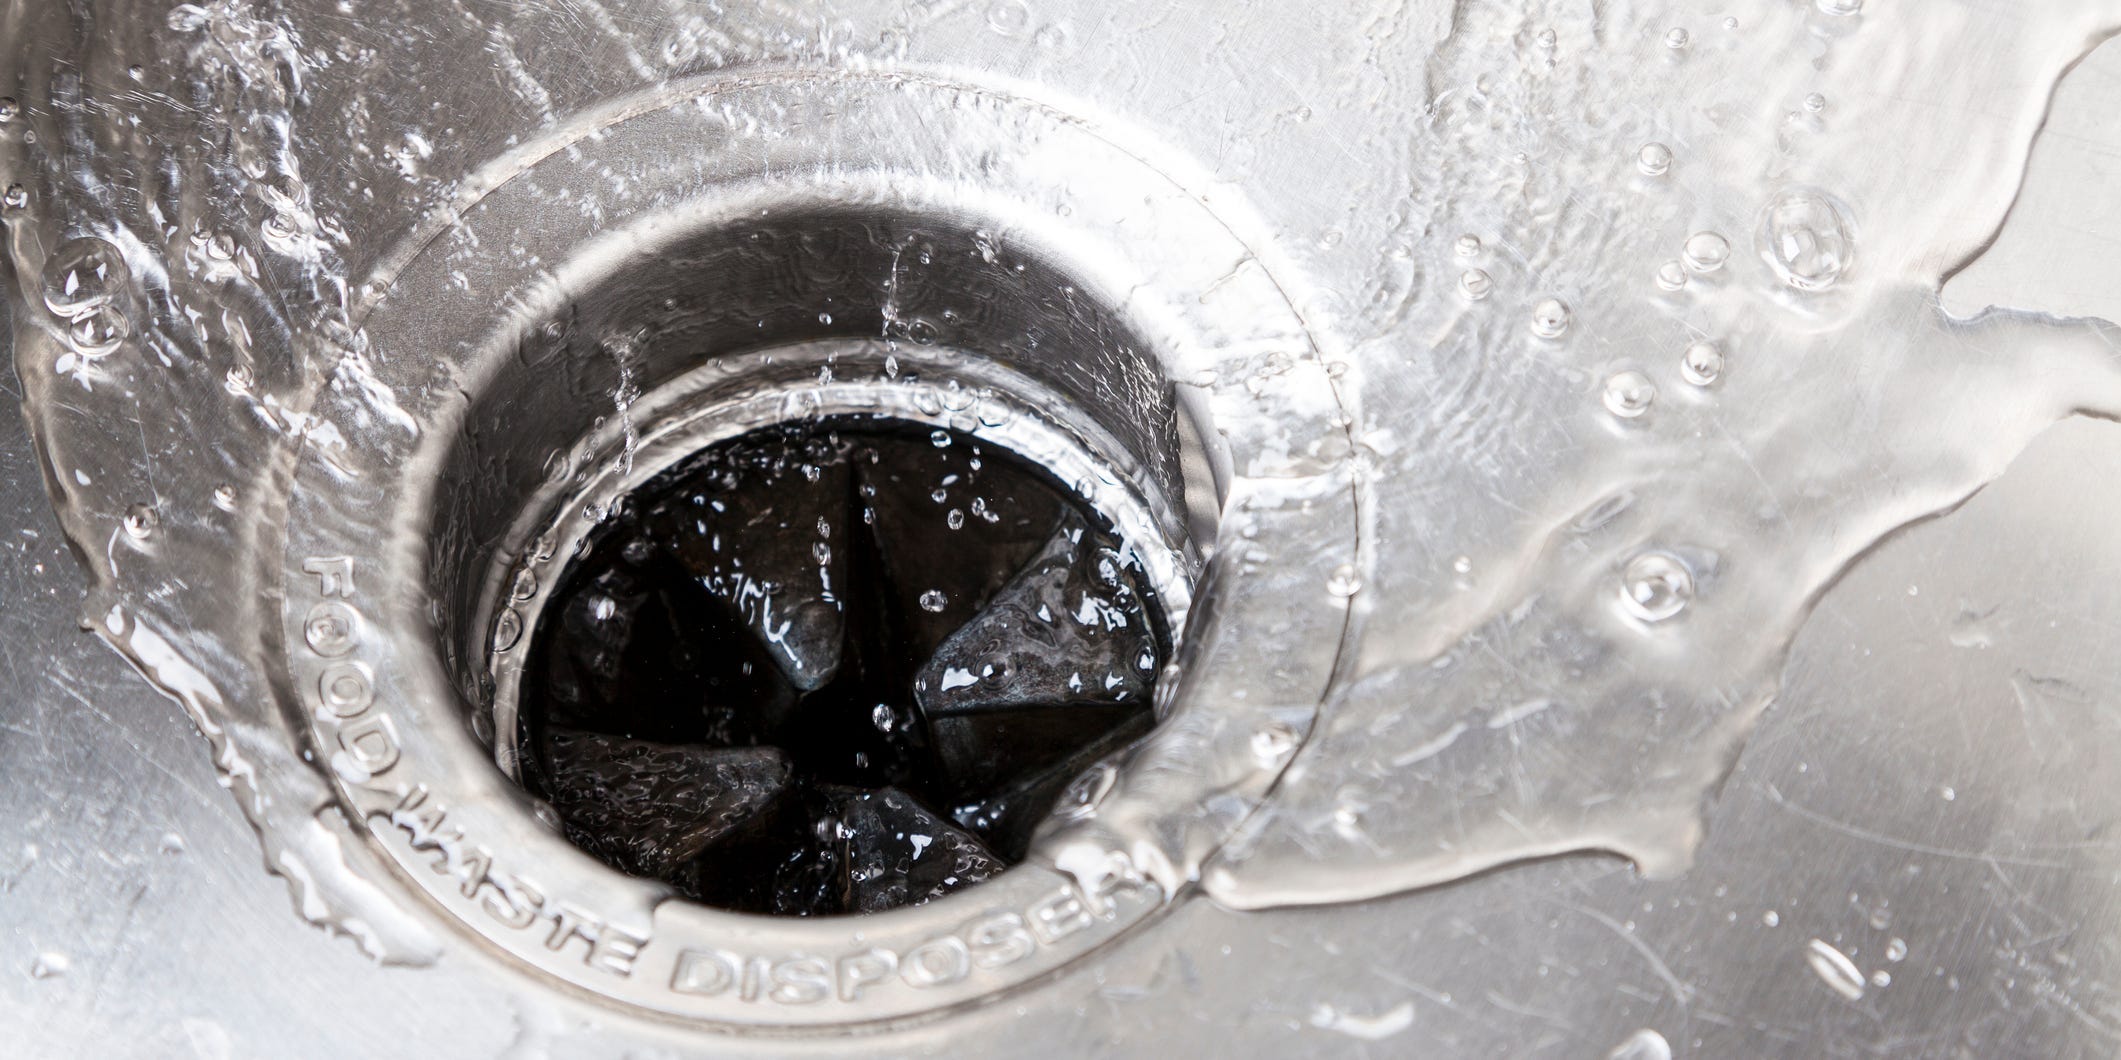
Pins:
x,y
835,666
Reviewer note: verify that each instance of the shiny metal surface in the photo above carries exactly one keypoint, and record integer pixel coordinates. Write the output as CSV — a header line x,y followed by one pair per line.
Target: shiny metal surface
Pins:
x,y
1912,854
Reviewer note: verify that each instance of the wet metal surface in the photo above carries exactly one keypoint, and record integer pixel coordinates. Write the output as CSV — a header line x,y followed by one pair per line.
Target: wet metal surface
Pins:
x,y
1617,343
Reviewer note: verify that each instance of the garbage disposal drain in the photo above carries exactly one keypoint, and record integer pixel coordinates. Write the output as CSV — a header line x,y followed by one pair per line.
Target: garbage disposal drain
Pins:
x,y
836,665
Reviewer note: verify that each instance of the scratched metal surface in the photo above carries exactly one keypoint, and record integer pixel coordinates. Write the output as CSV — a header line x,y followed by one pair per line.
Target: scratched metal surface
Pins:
x,y
1933,794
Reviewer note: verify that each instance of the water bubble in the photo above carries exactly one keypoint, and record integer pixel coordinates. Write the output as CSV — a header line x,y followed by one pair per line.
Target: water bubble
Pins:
x,y
1701,364
1550,318
1896,950
141,521
956,519
1771,918
1468,246
941,439
1838,7
1476,283
1881,978
1644,1044
1814,102
882,717
225,497
1804,238
1547,40
82,274
1654,159
9,109
1656,586
1671,276
1629,394
934,600
49,966
1345,580
1707,251
1677,37
98,333
1835,969
15,198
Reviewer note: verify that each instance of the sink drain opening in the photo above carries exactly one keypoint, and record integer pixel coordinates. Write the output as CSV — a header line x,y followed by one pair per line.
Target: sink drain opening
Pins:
x,y
834,665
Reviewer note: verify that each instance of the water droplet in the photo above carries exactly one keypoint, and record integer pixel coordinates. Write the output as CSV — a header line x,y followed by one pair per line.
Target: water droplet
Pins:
x,y
1629,394
1671,276
1273,745
1815,102
941,439
1656,586
1468,246
507,629
1462,565
1654,160
49,966
141,521
1707,251
81,275
9,109
1834,969
882,717
1550,318
1677,37
1547,40
956,519
99,332
1771,918
1838,7
1701,364
1896,950
225,497
934,600
1345,580
1881,978
1476,284
1008,17
1804,237
16,197
1644,1044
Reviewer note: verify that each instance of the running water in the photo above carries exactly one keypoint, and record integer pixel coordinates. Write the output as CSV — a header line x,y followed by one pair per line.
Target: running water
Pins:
x,y
1647,339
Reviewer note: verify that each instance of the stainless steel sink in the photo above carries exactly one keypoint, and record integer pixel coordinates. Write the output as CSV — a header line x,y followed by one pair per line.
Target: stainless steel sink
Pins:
x,y
1623,597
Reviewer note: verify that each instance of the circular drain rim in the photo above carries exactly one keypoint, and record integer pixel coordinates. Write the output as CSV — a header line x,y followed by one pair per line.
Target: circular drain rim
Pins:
x,y
364,672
